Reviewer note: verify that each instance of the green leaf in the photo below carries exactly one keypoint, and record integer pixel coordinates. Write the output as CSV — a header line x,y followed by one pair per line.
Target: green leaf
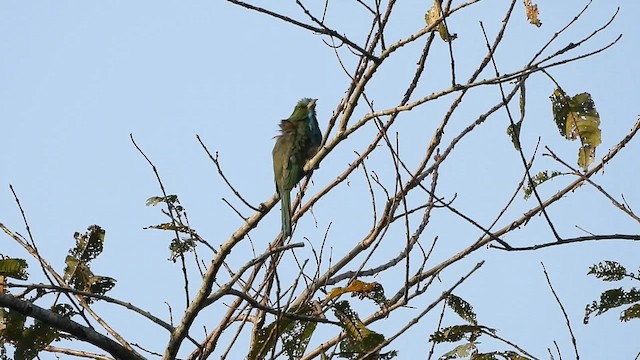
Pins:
x,y
155,200
611,299
577,118
460,351
632,312
510,355
14,268
14,322
266,338
180,246
78,271
88,245
171,227
296,340
458,332
537,180
295,335
506,355
608,271
462,308
100,284
359,340
513,130
39,335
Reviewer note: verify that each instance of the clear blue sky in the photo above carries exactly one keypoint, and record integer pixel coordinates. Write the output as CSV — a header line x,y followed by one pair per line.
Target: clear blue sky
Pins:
x,y
76,78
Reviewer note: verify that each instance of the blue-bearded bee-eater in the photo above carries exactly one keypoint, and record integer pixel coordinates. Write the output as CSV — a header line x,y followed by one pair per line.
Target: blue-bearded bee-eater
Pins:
x,y
299,141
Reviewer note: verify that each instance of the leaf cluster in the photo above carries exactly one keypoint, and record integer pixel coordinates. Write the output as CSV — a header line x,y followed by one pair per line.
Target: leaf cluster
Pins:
x,y
295,333
469,333
78,271
577,118
29,340
178,224
538,179
611,271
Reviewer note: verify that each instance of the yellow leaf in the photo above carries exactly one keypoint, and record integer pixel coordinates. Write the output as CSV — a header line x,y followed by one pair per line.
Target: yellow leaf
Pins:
x,y
532,13
577,118
435,14
373,291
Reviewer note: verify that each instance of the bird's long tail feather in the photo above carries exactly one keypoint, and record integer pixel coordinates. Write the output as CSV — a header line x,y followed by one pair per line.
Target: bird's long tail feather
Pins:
x,y
286,213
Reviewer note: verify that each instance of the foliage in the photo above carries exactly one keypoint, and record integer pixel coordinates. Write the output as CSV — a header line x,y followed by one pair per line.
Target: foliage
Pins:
x,y
462,308
513,130
14,268
468,333
611,271
470,351
30,340
577,118
295,335
532,13
360,340
539,179
433,16
78,271
177,224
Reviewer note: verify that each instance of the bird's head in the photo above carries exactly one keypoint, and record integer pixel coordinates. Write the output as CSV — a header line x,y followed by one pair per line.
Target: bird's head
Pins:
x,y
303,109
308,103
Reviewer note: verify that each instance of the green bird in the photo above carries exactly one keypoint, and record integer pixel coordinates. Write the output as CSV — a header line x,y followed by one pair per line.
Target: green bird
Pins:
x,y
299,140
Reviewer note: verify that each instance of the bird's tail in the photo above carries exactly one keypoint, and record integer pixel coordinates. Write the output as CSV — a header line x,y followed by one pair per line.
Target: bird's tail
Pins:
x,y
286,213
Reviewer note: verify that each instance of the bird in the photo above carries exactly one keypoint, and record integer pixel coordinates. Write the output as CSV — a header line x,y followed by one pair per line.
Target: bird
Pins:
x,y
298,141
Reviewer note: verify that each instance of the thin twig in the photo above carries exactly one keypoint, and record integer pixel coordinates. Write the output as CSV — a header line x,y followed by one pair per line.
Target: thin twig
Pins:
x,y
172,215
564,312
520,151
615,202
557,34
77,353
433,343
216,162
613,237
515,346
320,30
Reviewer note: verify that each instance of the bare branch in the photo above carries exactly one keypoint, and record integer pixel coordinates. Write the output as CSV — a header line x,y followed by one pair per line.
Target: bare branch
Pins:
x,y
564,312
320,30
69,326
613,237
216,162
624,208
78,353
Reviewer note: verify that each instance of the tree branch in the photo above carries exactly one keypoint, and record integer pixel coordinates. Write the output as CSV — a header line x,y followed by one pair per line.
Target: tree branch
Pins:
x,y
69,326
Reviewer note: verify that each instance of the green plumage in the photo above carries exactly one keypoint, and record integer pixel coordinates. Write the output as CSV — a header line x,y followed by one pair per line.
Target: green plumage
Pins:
x,y
298,141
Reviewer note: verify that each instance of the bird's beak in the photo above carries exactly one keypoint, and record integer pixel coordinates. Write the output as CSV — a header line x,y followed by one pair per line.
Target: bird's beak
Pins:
x,y
312,104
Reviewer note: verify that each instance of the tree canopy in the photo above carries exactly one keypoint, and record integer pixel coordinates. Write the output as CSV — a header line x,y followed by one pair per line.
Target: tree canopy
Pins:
x,y
473,195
